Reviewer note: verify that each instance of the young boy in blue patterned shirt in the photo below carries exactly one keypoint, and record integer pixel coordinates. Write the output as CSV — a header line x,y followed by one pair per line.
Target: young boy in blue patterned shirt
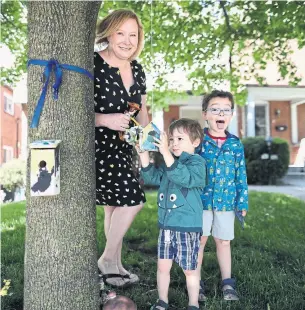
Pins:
x,y
226,192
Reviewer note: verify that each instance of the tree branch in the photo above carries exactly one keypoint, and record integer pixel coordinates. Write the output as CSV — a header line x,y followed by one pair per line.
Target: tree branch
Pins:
x,y
227,19
225,13
12,24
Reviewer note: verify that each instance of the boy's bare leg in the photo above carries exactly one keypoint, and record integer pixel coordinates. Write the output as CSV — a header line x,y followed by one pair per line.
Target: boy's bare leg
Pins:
x,y
224,257
192,283
203,241
163,278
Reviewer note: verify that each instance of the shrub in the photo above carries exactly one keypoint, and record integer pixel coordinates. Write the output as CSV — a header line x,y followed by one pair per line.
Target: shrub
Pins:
x,y
266,171
12,174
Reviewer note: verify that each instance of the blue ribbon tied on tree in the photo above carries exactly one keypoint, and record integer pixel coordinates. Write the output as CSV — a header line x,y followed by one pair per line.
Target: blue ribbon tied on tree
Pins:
x,y
51,66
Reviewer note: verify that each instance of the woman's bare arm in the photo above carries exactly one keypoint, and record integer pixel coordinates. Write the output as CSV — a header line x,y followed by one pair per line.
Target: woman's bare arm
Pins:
x,y
142,117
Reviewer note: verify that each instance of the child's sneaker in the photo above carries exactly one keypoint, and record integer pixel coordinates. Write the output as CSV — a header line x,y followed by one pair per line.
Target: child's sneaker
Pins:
x,y
160,304
228,289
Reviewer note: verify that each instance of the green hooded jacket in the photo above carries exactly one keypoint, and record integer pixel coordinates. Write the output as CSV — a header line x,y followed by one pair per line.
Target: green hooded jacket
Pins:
x,y
179,201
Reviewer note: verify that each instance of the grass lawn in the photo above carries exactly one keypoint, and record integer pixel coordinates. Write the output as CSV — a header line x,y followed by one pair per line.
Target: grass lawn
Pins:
x,y
268,257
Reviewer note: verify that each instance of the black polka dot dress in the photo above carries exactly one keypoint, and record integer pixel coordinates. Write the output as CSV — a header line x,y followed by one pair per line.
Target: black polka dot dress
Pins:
x,y
116,184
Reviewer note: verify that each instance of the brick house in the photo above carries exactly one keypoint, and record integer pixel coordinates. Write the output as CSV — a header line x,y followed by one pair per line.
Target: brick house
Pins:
x,y
11,127
269,111
276,110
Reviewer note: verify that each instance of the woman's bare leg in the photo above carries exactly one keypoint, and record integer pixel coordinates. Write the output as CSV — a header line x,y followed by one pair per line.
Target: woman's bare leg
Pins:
x,y
119,260
121,219
108,210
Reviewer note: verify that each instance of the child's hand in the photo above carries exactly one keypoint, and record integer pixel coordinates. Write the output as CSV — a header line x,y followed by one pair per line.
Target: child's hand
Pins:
x,y
139,151
162,144
144,156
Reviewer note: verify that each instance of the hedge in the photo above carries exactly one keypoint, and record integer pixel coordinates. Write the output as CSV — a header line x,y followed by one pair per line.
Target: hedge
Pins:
x,y
268,170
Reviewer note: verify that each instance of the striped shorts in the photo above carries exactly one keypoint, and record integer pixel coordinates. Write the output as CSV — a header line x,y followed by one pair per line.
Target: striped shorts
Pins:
x,y
182,247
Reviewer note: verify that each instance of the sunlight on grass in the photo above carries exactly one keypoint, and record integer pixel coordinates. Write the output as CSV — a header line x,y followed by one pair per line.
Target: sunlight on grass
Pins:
x,y
267,256
12,225
4,290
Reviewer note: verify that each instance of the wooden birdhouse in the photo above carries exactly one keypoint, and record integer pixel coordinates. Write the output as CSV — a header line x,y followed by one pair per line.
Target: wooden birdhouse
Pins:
x,y
45,167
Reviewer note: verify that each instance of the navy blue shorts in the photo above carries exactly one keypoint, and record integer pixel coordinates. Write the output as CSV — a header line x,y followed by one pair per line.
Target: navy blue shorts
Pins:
x,y
182,247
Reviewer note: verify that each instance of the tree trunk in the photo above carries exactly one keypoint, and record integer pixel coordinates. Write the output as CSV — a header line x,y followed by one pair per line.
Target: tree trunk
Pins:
x,y
61,249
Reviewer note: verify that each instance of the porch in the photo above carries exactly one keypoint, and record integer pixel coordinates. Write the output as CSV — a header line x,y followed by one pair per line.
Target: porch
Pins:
x,y
276,111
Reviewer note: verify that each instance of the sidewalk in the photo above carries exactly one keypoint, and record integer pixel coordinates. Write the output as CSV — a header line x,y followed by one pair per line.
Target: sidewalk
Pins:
x,y
293,185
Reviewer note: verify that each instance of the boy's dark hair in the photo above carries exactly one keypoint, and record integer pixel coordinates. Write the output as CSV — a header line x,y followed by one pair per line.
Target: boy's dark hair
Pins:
x,y
216,93
191,126
42,164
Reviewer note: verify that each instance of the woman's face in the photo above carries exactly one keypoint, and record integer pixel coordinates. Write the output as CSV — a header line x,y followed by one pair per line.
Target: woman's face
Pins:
x,y
124,42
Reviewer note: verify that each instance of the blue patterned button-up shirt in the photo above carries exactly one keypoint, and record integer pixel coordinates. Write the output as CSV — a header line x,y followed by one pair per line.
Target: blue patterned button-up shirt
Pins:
x,y
227,188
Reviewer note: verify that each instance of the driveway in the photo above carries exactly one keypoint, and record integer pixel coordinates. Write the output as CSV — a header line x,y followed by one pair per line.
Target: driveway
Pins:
x,y
293,185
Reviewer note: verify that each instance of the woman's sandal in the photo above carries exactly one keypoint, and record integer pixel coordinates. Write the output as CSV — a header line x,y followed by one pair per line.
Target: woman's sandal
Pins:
x,y
127,278
202,296
159,305
192,308
228,289
133,278
113,276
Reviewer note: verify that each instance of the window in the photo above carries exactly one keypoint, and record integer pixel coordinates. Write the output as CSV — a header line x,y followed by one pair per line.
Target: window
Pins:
x,y
194,113
260,121
8,105
8,153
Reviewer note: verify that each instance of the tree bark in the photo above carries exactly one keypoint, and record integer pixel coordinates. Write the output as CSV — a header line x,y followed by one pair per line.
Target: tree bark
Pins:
x,y
61,249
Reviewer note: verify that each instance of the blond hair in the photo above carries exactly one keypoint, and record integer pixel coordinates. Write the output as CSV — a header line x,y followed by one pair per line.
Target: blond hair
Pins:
x,y
112,22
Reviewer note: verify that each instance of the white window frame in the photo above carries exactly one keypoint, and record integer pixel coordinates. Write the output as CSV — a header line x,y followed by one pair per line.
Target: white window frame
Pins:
x,y
267,114
9,149
295,139
9,110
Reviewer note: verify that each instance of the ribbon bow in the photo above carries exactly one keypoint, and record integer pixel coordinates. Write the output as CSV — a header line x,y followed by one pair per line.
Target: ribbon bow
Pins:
x,y
51,65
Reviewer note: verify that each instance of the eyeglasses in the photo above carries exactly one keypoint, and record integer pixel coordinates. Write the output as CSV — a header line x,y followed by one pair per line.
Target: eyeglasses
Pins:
x,y
216,111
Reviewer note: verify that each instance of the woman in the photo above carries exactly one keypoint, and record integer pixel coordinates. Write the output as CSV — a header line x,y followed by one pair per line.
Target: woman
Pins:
x,y
119,81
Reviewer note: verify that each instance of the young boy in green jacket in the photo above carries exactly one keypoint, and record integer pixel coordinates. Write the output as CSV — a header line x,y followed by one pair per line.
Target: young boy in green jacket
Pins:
x,y
181,181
